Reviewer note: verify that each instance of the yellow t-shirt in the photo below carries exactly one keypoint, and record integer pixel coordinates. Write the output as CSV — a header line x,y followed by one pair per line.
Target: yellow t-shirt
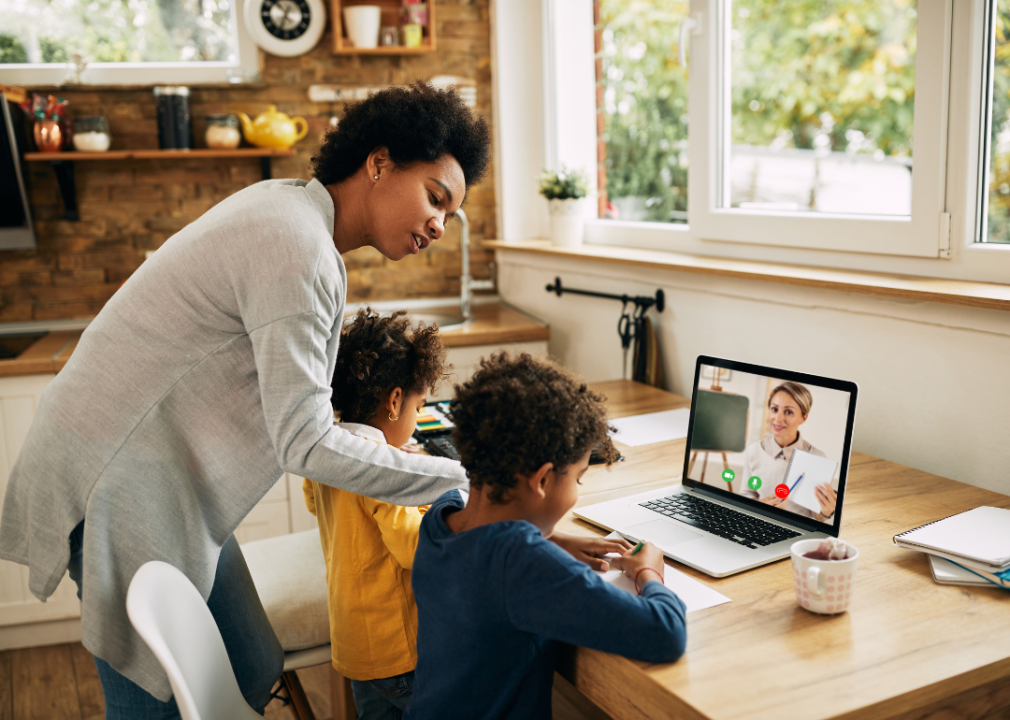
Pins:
x,y
369,549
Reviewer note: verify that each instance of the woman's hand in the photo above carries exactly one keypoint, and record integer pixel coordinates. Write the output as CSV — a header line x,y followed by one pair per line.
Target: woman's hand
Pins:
x,y
773,500
827,499
649,559
590,550
411,447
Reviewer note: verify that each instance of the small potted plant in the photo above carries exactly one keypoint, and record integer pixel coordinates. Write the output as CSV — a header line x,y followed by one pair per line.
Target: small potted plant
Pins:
x,y
566,192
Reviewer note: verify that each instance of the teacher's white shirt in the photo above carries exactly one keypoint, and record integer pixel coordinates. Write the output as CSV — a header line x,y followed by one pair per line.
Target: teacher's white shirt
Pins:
x,y
769,462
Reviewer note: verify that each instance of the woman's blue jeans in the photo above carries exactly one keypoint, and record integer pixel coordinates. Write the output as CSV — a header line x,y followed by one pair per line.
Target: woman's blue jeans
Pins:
x,y
255,653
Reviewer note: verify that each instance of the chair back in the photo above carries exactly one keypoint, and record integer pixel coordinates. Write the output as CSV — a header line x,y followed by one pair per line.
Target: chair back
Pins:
x,y
168,612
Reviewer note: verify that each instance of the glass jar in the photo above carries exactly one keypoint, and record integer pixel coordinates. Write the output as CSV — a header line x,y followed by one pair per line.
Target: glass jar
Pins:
x,y
174,131
91,134
222,131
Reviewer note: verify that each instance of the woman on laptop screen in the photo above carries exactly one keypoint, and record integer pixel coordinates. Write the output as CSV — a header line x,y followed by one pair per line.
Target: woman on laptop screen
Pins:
x,y
789,406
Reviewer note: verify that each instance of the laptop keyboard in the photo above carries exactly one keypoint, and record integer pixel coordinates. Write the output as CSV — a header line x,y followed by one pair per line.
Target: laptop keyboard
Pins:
x,y
441,445
720,520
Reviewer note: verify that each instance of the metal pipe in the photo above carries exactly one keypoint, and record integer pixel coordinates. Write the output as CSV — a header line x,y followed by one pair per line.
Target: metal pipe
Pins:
x,y
466,282
465,277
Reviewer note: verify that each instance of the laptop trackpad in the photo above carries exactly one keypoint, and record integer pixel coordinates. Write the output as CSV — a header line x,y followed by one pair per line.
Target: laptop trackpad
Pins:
x,y
663,534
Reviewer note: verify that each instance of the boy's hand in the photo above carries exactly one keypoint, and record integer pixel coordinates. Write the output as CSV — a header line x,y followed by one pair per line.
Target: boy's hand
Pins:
x,y
649,558
590,550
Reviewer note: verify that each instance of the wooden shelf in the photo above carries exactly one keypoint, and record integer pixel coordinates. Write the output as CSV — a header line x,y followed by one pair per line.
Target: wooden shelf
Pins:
x,y
63,163
72,155
390,17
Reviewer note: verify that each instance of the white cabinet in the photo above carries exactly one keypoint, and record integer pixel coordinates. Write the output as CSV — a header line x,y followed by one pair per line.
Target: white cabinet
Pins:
x,y
19,399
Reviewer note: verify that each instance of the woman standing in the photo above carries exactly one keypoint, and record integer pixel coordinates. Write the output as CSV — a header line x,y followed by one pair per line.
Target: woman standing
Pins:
x,y
207,376
788,407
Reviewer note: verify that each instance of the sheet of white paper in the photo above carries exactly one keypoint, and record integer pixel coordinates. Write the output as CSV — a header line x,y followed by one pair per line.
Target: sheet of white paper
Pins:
x,y
696,595
652,428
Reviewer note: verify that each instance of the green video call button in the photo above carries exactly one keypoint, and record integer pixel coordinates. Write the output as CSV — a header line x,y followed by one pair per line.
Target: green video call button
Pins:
x,y
754,482
728,475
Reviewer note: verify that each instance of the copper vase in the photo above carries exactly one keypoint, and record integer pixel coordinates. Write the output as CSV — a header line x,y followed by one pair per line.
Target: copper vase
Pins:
x,y
48,135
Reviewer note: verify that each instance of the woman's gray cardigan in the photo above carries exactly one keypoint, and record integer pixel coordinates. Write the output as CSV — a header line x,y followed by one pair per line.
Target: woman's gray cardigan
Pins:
x,y
204,378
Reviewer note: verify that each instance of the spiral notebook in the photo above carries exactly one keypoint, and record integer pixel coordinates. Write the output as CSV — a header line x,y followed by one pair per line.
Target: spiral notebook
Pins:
x,y
980,536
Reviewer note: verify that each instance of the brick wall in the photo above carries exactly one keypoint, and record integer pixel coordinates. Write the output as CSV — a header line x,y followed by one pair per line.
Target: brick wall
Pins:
x,y
130,207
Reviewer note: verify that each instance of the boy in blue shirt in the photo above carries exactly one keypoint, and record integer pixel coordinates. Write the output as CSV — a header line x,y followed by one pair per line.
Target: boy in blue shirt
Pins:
x,y
494,596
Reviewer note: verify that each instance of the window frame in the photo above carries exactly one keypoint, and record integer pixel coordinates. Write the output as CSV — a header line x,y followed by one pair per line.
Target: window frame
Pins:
x,y
246,69
917,235
523,215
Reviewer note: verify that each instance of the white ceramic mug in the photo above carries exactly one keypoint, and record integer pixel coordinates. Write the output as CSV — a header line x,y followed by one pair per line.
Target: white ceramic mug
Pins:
x,y
362,23
823,586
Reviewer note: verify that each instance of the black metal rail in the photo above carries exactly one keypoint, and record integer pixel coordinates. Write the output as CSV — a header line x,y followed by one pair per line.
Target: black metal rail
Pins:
x,y
642,303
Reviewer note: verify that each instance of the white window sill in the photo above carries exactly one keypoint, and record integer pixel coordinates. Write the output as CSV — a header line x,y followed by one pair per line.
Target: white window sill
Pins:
x,y
968,293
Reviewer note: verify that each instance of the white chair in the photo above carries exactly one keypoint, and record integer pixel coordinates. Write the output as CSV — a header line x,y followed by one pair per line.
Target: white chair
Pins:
x,y
289,573
173,619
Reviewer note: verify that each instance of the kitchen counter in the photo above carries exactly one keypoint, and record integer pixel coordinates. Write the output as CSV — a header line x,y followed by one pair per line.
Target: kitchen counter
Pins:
x,y
48,354
494,324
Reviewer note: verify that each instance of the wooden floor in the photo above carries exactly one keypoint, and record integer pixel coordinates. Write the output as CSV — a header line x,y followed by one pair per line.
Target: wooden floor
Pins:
x,y
60,682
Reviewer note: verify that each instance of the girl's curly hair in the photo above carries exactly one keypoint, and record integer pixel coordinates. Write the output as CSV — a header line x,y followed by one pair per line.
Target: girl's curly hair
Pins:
x,y
417,123
518,412
380,353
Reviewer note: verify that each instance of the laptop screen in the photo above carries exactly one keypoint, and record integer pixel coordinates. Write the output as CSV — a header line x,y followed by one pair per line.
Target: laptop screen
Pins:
x,y
773,439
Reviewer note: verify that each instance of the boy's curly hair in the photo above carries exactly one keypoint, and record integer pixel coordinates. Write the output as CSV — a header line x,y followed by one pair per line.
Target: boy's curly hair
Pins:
x,y
518,412
417,123
378,354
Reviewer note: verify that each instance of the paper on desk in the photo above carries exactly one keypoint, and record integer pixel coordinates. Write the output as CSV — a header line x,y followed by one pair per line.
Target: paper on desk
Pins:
x,y
696,595
652,427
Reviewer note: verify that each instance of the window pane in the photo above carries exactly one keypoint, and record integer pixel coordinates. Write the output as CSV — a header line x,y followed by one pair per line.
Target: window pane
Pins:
x,y
644,110
999,139
51,31
821,106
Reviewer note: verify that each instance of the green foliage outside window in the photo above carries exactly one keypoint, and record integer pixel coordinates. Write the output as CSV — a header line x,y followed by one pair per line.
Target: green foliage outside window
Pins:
x,y
118,30
836,75
11,50
999,139
645,104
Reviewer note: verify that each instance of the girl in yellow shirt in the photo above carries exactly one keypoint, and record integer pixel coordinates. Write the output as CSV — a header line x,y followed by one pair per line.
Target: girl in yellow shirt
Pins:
x,y
383,373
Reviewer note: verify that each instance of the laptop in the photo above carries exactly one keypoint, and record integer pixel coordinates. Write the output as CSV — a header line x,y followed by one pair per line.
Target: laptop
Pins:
x,y
766,465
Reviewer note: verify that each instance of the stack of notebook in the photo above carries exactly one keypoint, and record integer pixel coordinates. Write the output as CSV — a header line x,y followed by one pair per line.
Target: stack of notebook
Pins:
x,y
970,548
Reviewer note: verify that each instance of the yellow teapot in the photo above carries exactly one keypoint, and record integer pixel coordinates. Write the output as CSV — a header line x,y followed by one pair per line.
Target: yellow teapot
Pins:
x,y
273,129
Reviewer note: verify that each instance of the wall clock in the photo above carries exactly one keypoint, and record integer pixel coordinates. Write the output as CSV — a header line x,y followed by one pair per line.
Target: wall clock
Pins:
x,y
285,27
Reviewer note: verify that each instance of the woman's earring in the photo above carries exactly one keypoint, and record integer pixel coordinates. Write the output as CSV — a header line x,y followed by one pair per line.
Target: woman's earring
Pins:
x,y
391,418
376,177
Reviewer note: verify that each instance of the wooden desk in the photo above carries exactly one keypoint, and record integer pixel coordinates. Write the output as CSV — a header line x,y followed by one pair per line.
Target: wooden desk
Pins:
x,y
907,647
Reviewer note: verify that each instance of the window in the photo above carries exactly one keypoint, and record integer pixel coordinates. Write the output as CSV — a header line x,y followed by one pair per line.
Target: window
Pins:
x,y
995,198
644,109
805,111
822,100
124,41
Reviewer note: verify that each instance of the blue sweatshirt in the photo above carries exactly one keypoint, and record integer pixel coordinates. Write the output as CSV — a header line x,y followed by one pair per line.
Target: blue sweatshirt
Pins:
x,y
494,602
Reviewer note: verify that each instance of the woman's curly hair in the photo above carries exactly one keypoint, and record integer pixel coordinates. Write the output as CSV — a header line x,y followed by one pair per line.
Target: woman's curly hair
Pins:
x,y
418,123
380,353
518,412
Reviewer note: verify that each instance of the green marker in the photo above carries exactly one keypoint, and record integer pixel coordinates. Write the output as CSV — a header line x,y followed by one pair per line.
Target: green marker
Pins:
x,y
641,544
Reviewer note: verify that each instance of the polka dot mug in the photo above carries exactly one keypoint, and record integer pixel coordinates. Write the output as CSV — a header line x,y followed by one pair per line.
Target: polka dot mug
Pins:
x,y
823,586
